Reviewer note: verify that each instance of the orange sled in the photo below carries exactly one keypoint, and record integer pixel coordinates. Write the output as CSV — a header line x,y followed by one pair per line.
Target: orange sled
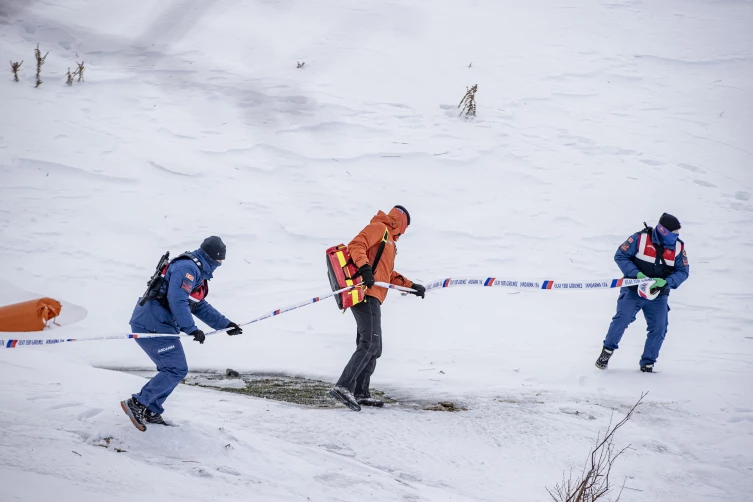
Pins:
x,y
29,316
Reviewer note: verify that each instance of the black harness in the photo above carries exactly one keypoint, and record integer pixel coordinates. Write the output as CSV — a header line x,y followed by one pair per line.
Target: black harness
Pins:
x,y
155,285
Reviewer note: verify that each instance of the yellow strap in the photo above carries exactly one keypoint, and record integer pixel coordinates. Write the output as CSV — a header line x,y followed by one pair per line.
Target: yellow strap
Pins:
x,y
341,258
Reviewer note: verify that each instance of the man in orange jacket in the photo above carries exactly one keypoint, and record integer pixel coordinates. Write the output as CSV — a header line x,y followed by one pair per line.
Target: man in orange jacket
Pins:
x,y
352,388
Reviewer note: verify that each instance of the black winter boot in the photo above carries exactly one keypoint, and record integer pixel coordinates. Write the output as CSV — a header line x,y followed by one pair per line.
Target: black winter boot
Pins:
x,y
369,401
647,368
135,411
345,397
603,359
154,418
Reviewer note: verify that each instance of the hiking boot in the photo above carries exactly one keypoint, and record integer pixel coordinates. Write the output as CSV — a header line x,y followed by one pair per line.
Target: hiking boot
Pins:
x,y
154,418
603,359
345,397
647,368
369,401
135,411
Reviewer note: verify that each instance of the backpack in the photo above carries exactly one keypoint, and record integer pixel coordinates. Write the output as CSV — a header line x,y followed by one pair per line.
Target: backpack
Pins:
x,y
342,272
155,283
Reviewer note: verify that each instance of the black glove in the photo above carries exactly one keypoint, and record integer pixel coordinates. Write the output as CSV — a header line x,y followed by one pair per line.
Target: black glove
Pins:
x,y
367,275
236,329
198,336
420,290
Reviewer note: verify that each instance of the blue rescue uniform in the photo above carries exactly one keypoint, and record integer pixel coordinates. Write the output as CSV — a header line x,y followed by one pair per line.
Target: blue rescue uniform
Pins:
x,y
183,295
643,252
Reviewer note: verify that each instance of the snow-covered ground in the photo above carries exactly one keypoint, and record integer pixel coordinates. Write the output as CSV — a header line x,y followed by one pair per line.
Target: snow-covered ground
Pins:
x,y
593,116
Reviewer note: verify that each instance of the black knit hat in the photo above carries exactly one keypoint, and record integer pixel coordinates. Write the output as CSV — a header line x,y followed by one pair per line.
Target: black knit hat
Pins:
x,y
669,222
214,247
407,214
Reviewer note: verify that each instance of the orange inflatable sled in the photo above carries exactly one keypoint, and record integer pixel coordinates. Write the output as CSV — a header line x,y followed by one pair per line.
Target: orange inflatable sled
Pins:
x,y
29,316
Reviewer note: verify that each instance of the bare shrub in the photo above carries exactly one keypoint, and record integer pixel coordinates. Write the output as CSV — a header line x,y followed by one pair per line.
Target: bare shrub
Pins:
x,y
468,103
593,483
14,68
40,61
79,71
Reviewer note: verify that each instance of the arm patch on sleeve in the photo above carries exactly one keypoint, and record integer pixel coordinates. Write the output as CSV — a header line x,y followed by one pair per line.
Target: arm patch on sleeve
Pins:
x,y
186,285
625,246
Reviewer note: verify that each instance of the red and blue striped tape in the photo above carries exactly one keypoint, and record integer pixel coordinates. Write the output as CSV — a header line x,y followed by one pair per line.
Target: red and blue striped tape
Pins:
x,y
546,284
437,284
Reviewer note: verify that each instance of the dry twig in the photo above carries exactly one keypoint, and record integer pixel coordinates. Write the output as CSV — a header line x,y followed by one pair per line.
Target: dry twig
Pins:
x,y
14,68
40,61
468,103
594,483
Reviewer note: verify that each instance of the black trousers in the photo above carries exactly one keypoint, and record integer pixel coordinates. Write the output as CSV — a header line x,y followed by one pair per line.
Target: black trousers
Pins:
x,y
357,373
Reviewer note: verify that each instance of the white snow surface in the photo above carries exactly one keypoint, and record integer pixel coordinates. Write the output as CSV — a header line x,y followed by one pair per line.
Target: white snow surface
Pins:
x,y
193,120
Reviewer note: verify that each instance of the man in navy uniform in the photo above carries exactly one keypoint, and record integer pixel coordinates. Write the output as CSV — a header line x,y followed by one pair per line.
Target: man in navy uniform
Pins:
x,y
657,253
170,310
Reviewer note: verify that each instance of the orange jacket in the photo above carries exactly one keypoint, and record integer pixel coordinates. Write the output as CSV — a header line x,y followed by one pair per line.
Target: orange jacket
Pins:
x,y
363,249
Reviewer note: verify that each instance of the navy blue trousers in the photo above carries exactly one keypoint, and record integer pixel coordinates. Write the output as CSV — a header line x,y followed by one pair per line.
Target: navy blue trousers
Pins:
x,y
656,313
167,353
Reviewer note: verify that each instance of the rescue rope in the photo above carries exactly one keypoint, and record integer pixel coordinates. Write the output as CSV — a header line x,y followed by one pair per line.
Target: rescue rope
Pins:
x,y
433,285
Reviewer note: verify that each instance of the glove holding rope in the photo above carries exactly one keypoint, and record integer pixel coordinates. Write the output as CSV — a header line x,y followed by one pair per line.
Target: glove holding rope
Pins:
x,y
235,331
198,336
420,290
367,274
659,283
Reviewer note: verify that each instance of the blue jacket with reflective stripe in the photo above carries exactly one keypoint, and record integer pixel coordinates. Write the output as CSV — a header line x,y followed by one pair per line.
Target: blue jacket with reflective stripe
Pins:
x,y
634,256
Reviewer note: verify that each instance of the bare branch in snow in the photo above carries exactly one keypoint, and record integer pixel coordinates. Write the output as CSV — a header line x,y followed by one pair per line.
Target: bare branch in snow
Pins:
x,y
594,484
468,103
40,61
14,68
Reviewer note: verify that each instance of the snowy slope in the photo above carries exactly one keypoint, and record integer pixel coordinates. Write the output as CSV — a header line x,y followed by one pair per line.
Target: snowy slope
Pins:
x,y
593,116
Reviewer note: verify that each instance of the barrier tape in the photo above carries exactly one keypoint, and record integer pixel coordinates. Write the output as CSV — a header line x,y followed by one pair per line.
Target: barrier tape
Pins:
x,y
546,284
437,284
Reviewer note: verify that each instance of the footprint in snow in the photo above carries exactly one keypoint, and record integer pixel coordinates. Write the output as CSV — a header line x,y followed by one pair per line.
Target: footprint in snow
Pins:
x,y
65,405
740,418
704,183
90,413
46,396
690,167
228,470
649,162
201,472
